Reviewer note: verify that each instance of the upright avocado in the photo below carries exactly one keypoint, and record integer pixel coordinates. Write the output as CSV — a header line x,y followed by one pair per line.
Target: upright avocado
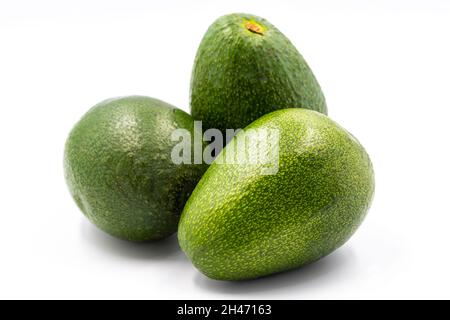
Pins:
x,y
241,224
119,171
246,68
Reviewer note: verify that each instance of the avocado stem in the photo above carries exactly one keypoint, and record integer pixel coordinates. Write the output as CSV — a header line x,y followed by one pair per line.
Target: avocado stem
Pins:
x,y
253,27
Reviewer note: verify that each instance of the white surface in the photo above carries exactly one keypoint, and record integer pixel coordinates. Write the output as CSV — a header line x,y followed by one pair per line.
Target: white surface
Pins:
x,y
384,67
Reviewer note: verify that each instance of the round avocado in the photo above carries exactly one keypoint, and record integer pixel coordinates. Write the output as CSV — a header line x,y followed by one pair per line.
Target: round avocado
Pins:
x,y
119,171
242,224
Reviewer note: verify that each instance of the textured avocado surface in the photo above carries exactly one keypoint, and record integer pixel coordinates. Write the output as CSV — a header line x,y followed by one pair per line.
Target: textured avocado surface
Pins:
x,y
118,167
245,68
239,224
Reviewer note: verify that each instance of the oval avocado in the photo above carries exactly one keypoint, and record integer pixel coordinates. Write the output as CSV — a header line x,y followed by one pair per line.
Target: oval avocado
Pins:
x,y
119,171
245,68
242,224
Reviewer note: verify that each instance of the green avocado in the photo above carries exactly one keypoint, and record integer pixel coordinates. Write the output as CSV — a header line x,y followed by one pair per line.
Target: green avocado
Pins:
x,y
119,171
241,222
246,68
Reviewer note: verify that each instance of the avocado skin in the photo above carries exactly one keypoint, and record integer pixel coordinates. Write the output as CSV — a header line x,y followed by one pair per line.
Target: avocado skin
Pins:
x,y
239,75
119,171
239,224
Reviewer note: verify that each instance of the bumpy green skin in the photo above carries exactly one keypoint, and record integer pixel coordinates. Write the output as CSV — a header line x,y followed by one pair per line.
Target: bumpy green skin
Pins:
x,y
119,171
239,224
240,75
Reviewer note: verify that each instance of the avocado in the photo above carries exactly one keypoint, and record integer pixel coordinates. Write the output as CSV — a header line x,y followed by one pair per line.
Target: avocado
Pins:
x,y
242,224
119,171
245,68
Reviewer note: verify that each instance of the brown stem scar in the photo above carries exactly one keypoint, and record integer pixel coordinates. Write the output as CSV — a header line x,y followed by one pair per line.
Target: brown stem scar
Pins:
x,y
253,27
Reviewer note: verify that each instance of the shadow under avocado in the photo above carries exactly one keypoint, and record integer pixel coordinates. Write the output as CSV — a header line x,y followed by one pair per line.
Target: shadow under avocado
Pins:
x,y
322,271
162,249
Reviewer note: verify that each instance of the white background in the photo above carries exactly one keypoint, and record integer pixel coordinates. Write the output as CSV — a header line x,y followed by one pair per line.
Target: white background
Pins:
x,y
384,67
